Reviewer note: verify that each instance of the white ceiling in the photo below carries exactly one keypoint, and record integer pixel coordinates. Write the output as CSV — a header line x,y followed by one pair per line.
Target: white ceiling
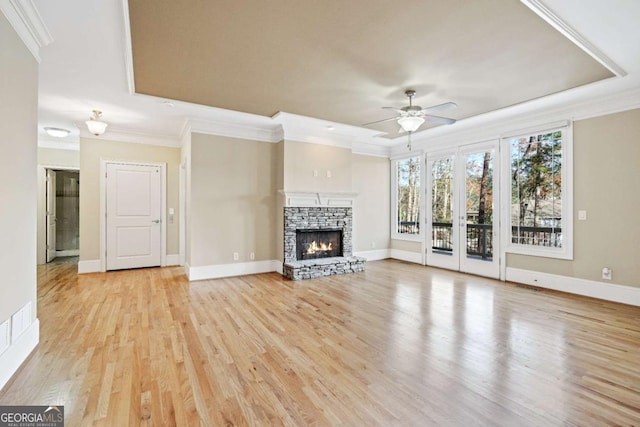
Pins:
x,y
87,67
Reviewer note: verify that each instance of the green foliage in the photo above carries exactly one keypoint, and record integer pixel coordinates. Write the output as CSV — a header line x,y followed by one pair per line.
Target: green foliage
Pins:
x,y
536,166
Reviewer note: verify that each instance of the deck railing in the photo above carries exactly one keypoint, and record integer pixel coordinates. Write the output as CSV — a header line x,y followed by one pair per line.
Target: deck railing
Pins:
x,y
409,227
480,238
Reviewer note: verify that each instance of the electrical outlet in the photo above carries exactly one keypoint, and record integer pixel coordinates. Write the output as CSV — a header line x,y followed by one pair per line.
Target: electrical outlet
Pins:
x,y
235,256
373,245
606,273
582,215
252,256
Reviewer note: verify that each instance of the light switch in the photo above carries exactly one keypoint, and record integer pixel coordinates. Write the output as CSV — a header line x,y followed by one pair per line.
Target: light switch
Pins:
x,y
582,215
171,211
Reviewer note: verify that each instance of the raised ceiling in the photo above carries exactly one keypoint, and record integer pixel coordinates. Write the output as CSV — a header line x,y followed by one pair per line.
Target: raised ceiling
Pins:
x,y
342,60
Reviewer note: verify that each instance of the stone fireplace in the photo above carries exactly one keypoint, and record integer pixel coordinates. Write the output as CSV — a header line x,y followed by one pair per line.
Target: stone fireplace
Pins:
x,y
318,239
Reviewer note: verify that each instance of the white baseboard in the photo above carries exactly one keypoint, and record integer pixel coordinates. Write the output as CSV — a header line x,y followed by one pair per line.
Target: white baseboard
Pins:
x,y
71,252
278,265
415,257
18,351
173,259
590,288
89,266
186,268
93,265
235,269
374,255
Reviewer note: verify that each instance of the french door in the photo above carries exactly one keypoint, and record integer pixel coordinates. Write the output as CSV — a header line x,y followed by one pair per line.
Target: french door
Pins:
x,y
462,209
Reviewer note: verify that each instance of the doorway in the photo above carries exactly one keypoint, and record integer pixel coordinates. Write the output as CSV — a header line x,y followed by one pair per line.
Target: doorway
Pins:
x,y
62,215
462,214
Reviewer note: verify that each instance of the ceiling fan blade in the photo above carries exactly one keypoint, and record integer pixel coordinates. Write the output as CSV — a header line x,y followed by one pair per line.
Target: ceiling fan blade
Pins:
x,y
399,110
438,119
380,121
442,107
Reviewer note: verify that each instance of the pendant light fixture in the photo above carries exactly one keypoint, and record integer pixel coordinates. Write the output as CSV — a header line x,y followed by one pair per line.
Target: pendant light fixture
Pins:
x,y
94,124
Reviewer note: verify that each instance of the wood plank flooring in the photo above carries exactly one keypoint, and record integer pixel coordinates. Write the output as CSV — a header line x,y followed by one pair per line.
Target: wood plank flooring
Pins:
x,y
399,344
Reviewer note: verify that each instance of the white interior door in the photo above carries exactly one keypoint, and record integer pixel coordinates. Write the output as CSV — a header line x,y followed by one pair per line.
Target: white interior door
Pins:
x,y
462,202
50,218
133,216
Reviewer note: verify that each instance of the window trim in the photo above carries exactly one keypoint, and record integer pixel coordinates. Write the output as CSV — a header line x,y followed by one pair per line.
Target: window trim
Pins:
x,y
566,252
394,197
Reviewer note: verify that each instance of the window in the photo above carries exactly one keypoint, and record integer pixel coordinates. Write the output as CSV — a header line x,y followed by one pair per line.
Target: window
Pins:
x,y
540,197
407,197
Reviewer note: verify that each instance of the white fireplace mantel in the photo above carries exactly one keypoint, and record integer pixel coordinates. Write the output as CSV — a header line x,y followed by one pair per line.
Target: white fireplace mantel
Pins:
x,y
318,199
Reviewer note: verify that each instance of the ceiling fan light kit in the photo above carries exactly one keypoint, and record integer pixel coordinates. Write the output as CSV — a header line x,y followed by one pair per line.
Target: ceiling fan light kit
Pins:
x,y
411,117
410,123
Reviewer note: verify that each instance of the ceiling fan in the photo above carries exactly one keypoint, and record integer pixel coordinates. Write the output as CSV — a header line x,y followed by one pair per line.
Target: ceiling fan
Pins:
x,y
411,117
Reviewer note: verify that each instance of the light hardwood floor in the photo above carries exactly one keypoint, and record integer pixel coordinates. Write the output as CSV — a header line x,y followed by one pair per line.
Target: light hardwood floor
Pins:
x,y
399,344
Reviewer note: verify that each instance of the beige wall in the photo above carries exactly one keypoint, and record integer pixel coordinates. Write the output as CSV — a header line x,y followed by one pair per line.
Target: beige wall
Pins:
x,y
606,178
406,245
302,159
279,213
56,158
18,187
92,151
234,192
371,213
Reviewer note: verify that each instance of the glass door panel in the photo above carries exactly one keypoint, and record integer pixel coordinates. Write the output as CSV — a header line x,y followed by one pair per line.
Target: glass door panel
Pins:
x,y
478,237
442,248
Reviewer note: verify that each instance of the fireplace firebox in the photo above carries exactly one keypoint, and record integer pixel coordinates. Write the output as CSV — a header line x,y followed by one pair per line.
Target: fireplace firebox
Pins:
x,y
322,243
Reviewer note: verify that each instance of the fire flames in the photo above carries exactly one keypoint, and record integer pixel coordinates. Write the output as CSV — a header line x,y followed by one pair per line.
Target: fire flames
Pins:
x,y
315,247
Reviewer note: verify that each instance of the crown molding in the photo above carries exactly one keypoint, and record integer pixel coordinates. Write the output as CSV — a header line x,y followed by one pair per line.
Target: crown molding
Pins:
x,y
540,9
27,22
136,137
317,131
270,133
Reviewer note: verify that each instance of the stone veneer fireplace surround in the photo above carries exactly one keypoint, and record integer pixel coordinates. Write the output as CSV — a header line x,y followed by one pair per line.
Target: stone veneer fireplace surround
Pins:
x,y
317,211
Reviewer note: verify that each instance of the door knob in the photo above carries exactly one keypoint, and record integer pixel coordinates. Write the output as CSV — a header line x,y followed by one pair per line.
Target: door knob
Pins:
x,y
157,221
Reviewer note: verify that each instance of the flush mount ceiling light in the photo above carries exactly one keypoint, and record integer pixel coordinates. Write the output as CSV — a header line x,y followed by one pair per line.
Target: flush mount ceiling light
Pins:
x,y
94,124
57,132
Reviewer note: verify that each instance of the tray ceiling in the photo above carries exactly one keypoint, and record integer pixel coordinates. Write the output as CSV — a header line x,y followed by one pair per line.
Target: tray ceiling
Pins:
x,y
342,61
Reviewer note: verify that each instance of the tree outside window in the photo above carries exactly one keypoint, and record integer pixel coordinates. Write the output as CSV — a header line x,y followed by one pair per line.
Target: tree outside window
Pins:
x,y
408,196
536,190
